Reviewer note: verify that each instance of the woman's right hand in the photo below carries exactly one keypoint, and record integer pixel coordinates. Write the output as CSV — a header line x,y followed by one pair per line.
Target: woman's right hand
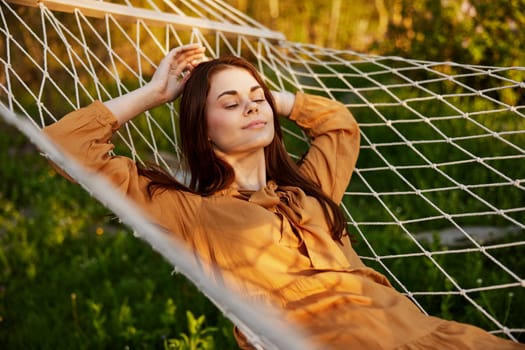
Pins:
x,y
173,71
166,84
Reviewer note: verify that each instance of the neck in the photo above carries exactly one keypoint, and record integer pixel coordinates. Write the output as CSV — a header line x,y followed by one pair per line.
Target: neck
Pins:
x,y
250,170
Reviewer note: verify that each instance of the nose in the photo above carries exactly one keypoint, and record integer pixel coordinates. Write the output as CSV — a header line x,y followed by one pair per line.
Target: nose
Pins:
x,y
251,108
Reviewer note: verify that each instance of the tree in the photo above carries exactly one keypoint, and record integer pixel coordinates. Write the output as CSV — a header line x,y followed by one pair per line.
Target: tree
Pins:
x,y
467,31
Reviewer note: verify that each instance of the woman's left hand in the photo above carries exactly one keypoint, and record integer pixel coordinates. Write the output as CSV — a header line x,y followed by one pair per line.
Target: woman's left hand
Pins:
x,y
284,101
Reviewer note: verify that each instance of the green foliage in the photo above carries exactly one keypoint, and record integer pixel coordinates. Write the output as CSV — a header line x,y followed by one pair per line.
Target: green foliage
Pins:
x,y
198,338
472,32
73,278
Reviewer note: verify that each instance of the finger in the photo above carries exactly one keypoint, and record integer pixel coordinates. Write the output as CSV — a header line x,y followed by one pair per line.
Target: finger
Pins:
x,y
187,49
182,59
178,53
196,58
189,61
184,55
178,64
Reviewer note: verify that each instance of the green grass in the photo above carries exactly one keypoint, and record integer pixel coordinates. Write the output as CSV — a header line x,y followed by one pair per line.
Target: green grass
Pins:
x,y
71,277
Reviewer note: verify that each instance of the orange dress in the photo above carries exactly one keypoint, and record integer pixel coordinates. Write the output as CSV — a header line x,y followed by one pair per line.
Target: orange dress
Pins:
x,y
274,244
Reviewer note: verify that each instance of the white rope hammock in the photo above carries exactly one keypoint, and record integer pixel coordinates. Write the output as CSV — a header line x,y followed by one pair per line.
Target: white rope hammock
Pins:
x,y
439,187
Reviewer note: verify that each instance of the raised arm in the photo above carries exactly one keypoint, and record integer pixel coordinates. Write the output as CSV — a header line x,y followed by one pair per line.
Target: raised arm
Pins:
x,y
85,135
166,84
284,101
333,153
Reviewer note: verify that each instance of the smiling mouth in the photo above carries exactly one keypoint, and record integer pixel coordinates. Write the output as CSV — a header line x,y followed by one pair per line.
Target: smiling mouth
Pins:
x,y
255,124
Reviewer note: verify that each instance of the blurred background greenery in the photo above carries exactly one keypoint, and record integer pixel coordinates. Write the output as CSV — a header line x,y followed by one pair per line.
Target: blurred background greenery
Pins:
x,y
465,31
77,279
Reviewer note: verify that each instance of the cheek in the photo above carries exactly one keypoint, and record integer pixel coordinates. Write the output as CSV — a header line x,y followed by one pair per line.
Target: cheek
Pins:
x,y
212,125
219,126
272,131
213,120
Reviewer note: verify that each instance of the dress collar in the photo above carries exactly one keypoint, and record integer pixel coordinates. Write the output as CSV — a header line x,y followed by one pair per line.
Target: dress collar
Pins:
x,y
265,197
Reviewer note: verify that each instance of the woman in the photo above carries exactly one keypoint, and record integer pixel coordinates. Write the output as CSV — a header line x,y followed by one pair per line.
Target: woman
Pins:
x,y
273,229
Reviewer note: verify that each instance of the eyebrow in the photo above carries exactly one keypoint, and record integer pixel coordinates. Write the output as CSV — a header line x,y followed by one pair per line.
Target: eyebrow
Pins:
x,y
234,92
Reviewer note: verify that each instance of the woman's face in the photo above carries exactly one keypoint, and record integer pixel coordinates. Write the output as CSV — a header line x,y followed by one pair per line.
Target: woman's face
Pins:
x,y
240,119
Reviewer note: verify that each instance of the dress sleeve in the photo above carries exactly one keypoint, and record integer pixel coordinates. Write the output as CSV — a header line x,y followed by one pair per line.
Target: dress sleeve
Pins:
x,y
333,153
85,135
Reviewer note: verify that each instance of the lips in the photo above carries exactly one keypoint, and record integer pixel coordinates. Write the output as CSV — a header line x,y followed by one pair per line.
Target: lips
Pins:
x,y
255,124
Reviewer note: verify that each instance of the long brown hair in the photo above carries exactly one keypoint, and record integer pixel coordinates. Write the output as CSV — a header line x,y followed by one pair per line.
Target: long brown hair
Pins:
x,y
208,172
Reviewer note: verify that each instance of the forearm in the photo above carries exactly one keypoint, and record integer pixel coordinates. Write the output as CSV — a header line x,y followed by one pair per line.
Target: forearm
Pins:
x,y
284,101
134,103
